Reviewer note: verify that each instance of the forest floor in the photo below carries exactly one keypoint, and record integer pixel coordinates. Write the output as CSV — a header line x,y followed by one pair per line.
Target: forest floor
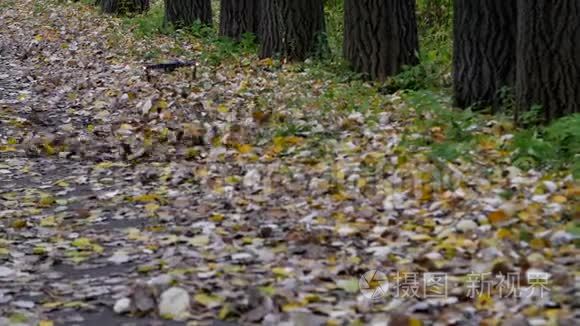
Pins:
x,y
265,191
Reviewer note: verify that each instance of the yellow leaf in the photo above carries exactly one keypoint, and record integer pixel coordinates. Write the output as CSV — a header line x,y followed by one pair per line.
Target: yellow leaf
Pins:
x,y
282,272
161,105
224,312
45,323
233,179
46,201
19,224
146,198
39,250
199,240
559,199
62,183
361,183
268,62
504,233
415,322
484,302
208,300
76,304
244,148
5,148
216,217
267,290
48,221
52,305
104,165
497,217
223,108
349,285
538,244
151,208
82,243
98,249
292,306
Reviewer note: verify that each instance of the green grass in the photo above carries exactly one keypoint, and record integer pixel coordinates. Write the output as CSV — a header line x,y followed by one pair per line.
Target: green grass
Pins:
x,y
554,146
148,24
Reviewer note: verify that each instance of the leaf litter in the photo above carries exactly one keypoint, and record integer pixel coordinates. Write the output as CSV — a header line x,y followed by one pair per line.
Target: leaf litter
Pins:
x,y
238,196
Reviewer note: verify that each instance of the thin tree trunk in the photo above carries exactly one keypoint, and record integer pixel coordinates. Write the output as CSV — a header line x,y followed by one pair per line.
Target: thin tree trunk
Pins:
x,y
380,37
548,51
238,17
184,13
123,7
293,29
484,51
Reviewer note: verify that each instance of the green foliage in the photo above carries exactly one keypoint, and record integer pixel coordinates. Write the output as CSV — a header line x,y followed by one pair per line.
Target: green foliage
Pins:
x,y
435,24
219,49
431,111
435,14
291,129
150,23
565,132
431,73
556,145
334,10
7,3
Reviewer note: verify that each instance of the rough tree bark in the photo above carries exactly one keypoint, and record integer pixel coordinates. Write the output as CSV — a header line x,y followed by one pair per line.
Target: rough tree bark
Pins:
x,y
548,52
183,13
484,51
122,7
238,17
380,37
293,29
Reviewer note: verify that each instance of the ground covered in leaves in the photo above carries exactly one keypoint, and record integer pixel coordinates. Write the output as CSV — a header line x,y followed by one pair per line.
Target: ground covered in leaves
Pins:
x,y
250,192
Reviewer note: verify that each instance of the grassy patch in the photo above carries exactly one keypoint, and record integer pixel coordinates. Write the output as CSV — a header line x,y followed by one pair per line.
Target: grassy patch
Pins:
x,y
149,23
554,146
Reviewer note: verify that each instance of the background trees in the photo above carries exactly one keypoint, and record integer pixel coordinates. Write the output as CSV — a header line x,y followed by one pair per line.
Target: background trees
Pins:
x,y
521,52
238,17
123,6
542,71
484,50
293,29
380,37
182,13
548,57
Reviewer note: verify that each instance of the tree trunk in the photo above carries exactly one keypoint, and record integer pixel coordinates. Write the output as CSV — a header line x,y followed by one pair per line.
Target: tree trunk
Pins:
x,y
184,13
380,37
123,7
548,51
484,51
238,17
293,29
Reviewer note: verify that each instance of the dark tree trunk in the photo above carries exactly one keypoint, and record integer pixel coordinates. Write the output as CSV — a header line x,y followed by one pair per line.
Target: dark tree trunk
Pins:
x,y
123,7
238,17
484,51
293,29
380,37
184,13
548,51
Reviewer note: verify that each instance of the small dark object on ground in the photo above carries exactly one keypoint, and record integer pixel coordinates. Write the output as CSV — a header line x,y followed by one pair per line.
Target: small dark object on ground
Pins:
x,y
171,66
